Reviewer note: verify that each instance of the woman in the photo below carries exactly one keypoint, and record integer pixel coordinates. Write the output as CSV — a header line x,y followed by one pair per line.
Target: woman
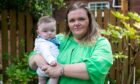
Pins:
x,y
85,56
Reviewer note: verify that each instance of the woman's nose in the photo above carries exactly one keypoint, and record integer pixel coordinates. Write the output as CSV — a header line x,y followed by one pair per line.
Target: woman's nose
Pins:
x,y
77,23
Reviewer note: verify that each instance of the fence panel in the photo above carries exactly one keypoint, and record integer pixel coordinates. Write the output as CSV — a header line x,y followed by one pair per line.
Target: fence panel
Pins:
x,y
16,28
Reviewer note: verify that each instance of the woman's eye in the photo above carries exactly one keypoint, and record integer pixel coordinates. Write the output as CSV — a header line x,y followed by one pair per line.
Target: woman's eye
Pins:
x,y
81,19
72,20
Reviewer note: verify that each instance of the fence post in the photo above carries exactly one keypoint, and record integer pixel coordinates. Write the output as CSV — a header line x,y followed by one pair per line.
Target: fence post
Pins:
x,y
29,32
13,33
4,42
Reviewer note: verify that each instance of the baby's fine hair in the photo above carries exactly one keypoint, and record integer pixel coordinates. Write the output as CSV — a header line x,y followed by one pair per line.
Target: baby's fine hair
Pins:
x,y
46,19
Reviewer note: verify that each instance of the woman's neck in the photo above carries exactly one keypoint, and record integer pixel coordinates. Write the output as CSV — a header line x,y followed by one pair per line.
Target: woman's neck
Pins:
x,y
77,39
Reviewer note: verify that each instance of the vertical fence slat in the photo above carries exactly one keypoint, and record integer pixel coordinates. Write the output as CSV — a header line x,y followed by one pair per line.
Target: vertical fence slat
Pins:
x,y
99,17
4,41
114,74
112,19
29,32
118,21
115,69
138,61
21,32
0,47
12,34
61,26
125,63
106,18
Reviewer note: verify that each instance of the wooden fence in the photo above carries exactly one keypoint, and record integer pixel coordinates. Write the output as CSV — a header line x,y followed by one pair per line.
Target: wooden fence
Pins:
x,y
14,28
17,26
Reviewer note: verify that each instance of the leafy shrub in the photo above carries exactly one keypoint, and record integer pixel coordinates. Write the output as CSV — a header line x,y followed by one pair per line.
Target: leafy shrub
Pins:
x,y
18,72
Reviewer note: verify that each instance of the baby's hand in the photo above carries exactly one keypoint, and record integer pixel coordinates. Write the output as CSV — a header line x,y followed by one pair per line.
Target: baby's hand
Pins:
x,y
53,63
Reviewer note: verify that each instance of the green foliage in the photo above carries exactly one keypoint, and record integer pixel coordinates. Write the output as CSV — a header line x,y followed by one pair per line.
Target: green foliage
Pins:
x,y
124,31
134,16
1,78
128,33
20,5
36,7
18,71
45,7
138,72
119,55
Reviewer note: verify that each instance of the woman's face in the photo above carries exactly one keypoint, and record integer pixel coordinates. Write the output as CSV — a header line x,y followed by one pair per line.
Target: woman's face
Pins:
x,y
78,22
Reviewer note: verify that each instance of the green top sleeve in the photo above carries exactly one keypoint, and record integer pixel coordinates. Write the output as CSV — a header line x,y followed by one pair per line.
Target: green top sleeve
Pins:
x,y
100,61
32,53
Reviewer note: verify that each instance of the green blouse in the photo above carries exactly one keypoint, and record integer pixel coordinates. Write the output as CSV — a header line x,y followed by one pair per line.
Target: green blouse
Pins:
x,y
98,59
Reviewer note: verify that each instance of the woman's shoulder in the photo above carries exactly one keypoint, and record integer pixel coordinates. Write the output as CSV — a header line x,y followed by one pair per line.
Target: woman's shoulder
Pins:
x,y
61,37
102,40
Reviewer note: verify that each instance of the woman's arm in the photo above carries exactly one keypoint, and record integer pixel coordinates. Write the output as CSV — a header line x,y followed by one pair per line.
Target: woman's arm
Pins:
x,y
37,61
32,63
70,70
76,71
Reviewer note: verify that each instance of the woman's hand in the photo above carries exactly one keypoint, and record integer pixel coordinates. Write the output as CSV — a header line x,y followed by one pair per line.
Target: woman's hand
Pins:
x,y
40,61
53,71
36,61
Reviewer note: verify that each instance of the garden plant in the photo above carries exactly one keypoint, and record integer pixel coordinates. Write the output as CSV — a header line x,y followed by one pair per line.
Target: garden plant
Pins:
x,y
125,39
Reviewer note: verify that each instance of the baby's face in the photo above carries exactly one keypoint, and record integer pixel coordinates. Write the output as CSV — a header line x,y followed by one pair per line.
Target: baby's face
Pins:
x,y
47,30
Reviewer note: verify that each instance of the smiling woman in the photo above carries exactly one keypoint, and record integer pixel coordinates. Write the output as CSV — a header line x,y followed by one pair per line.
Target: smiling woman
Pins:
x,y
78,23
85,56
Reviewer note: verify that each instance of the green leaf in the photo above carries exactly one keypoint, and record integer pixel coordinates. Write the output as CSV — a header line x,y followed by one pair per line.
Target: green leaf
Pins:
x,y
120,16
137,25
134,16
120,55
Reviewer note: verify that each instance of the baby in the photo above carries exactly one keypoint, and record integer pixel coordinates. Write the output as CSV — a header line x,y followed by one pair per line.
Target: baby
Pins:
x,y
46,44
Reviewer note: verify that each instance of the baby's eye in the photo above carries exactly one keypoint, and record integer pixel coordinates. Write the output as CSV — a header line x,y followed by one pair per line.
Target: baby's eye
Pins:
x,y
52,30
45,31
